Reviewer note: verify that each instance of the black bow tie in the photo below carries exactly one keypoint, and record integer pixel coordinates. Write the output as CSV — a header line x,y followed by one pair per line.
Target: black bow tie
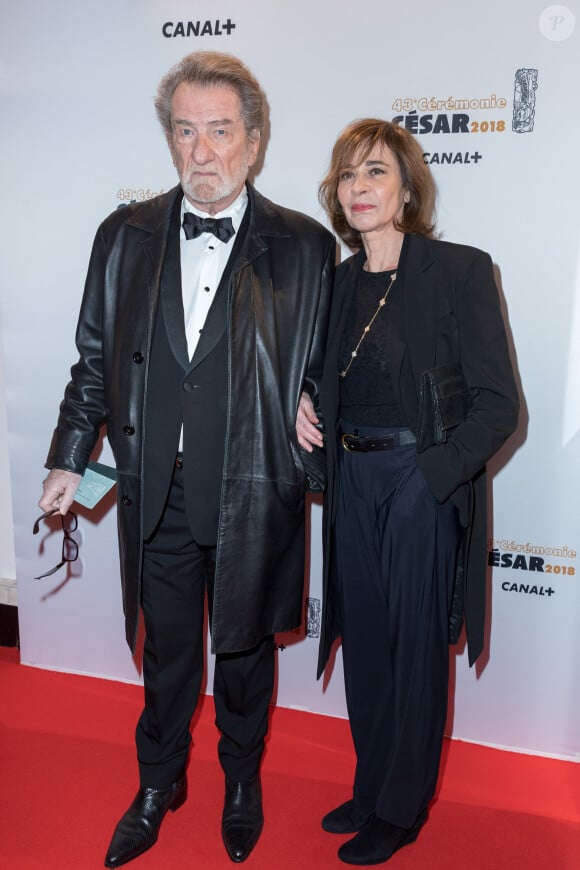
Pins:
x,y
194,226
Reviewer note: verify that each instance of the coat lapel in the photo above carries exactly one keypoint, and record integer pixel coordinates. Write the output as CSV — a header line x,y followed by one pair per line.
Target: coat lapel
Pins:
x,y
260,220
161,249
416,330
171,292
217,317
344,290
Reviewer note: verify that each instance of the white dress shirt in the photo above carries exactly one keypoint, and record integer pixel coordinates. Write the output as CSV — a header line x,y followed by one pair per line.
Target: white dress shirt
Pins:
x,y
203,261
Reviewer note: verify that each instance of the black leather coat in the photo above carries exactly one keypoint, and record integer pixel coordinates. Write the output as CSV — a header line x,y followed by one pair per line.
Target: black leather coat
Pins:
x,y
278,310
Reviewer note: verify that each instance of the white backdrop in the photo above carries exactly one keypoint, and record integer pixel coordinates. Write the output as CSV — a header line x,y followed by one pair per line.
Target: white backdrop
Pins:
x,y
80,137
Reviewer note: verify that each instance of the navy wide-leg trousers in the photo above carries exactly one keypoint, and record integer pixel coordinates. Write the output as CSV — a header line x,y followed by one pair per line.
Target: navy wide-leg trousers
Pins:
x,y
395,551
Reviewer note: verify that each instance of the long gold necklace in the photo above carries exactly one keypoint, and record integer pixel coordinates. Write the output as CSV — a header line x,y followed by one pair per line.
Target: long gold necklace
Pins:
x,y
367,329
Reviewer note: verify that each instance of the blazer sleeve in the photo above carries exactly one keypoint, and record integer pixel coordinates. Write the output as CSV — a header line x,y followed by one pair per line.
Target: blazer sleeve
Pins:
x,y
484,357
83,410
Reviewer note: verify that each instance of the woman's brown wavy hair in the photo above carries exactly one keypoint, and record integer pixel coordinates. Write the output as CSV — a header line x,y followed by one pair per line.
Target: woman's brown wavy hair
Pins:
x,y
353,147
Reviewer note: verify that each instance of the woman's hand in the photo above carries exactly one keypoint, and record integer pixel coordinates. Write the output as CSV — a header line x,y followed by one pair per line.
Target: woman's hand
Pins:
x,y
309,436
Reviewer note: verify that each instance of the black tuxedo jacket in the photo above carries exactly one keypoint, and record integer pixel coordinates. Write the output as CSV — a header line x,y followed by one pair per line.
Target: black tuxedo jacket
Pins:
x,y
177,393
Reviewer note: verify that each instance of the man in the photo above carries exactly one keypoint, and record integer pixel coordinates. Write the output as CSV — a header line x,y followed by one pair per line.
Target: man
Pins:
x,y
203,320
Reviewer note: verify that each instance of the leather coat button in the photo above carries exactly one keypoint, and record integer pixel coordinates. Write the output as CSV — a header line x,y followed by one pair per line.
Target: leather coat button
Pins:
x,y
129,430
127,501
138,357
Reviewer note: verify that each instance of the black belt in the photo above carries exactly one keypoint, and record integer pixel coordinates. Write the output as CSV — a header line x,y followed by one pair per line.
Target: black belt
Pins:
x,y
373,443
179,460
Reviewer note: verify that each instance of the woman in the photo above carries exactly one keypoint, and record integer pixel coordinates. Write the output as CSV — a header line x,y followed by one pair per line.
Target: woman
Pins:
x,y
405,510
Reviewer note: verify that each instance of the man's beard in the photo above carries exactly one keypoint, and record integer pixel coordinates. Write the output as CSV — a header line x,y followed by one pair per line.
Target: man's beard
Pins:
x,y
207,193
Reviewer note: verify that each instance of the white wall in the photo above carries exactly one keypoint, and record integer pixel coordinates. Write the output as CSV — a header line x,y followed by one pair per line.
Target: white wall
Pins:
x,y
80,137
8,593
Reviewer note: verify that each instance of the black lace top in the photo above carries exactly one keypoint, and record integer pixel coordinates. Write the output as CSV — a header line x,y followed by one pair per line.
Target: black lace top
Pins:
x,y
367,396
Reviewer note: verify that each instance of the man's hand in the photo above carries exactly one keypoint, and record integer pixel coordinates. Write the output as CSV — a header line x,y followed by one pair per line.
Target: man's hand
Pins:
x,y
308,435
59,490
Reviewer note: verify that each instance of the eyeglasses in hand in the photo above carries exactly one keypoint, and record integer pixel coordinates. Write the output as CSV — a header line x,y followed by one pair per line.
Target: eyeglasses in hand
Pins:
x,y
70,548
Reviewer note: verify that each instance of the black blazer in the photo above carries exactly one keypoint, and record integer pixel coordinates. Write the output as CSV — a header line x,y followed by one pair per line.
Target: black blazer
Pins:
x,y
448,311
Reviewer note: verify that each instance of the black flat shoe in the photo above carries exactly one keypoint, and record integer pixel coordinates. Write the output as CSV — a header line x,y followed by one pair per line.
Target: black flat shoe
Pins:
x,y
138,829
378,840
348,818
242,818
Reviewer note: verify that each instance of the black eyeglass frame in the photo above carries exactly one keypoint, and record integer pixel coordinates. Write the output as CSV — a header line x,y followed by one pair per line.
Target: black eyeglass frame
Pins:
x,y
67,542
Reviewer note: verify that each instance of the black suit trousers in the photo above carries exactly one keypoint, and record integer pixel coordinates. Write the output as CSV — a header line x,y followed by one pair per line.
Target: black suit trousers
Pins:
x,y
176,573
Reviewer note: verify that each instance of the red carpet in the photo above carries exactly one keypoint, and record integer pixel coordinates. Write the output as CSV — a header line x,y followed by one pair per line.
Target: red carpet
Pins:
x,y
68,772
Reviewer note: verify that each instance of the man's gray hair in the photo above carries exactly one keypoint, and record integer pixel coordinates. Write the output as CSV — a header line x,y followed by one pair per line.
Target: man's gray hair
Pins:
x,y
208,68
